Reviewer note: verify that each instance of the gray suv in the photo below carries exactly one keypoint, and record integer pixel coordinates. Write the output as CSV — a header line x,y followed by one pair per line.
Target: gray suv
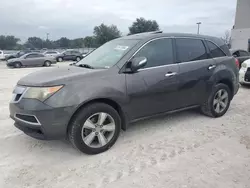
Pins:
x,y
125,80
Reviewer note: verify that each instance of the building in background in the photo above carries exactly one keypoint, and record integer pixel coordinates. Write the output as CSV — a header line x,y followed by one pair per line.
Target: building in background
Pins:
x,y
240,37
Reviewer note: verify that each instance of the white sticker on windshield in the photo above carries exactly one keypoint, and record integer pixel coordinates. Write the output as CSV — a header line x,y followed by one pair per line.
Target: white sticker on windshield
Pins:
x,y
121,47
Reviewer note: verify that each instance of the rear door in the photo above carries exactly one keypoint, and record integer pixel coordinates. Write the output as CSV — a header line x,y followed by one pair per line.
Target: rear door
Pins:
x,y
153,89
196,67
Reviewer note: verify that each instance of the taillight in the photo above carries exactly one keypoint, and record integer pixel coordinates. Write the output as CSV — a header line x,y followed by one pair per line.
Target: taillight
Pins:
x,y
237,62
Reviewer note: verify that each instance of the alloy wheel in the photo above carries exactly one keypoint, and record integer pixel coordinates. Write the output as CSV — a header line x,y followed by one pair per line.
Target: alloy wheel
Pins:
x,y
98,130
221,100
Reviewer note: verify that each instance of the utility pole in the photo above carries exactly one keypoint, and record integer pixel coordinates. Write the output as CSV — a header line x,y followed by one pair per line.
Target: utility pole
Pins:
x,y
47,34
198,23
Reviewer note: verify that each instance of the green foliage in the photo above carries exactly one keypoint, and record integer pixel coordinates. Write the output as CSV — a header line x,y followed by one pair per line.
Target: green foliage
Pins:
x,y
104,33
34,42
142,25
89,42
8,42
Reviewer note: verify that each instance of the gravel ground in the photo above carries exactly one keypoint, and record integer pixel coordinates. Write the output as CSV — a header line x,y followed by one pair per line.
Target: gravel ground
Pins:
x,y
185,149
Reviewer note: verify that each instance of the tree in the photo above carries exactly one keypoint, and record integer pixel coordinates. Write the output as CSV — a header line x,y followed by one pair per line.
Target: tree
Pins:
x,y
34,42
8,42
104,33
63,42
227,38
77,43
142,25
89,42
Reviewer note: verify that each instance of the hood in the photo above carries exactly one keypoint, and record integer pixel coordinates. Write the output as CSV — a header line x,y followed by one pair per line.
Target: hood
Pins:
x,y
55,76
14,59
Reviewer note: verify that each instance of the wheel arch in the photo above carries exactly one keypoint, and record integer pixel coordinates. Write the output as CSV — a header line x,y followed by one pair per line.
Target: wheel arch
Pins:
x,y
107,101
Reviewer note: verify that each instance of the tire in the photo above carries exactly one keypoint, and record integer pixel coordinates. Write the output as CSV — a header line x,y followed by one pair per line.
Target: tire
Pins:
x,y
78,59
17,65
76,129
47,63
209,108
60,59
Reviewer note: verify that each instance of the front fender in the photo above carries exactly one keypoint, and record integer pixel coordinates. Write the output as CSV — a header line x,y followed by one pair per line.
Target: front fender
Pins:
x,y
77,93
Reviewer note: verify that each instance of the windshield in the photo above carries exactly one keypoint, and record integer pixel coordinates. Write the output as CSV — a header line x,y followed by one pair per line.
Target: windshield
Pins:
x,y
108,54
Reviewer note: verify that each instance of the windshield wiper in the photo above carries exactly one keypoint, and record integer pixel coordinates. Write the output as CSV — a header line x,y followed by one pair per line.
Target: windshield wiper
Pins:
x,y
86,66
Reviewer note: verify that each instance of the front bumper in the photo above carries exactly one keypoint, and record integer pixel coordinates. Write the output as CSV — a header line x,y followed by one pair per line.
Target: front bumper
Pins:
x,y
39,120
244,76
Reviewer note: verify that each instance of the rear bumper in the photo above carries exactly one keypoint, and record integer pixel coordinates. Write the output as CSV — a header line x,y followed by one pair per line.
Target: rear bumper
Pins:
x,y
39,120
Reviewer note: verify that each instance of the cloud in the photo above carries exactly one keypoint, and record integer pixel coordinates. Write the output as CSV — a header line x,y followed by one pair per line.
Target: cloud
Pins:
x,y
77,18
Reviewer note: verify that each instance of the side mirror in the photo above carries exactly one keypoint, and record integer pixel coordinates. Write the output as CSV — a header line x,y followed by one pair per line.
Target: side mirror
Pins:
x,y
137,63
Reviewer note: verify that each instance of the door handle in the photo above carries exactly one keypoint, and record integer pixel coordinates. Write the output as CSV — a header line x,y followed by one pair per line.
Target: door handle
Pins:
x,y
170,74
211,67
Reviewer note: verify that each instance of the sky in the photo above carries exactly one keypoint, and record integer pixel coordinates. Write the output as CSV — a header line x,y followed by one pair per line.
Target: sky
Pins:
x,y
77,18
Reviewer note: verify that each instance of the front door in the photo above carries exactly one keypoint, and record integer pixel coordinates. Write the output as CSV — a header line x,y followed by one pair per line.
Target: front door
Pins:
x,y
153,89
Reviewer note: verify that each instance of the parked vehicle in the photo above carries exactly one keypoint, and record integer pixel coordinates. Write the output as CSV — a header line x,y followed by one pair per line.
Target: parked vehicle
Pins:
x,y
125,80
241,55
17,55
2,56
69,55
244,73
31,59
51,53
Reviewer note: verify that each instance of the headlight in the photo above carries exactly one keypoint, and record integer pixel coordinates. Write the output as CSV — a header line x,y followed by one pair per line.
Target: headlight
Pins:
x,y
244,65
41,93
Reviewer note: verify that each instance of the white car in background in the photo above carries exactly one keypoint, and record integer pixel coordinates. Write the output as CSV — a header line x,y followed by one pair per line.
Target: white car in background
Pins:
x,y
245,73
2,56
51,53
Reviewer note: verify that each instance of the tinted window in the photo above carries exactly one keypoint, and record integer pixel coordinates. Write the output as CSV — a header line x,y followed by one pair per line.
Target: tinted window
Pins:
x,y
190,50
74,52
67,53
236,54
51,53
158,52
243,53
34,55
215,50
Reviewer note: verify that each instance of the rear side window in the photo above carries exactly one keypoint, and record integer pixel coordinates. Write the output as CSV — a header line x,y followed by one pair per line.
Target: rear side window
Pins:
x,y
190,50
34,55
75,52
158,52
215,50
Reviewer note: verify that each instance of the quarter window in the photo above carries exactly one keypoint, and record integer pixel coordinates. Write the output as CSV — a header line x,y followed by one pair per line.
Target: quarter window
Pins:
x,y
190,50
215,50
158,52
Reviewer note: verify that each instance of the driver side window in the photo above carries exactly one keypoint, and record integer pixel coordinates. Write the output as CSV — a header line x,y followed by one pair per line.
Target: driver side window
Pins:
x,y
158,52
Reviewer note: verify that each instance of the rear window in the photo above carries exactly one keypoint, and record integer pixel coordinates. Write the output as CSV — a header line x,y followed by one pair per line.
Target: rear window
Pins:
x,y
190,50
243,53
215,51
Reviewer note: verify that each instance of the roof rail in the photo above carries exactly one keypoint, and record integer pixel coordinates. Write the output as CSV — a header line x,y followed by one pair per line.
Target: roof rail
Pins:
x,y
146,33
155,32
